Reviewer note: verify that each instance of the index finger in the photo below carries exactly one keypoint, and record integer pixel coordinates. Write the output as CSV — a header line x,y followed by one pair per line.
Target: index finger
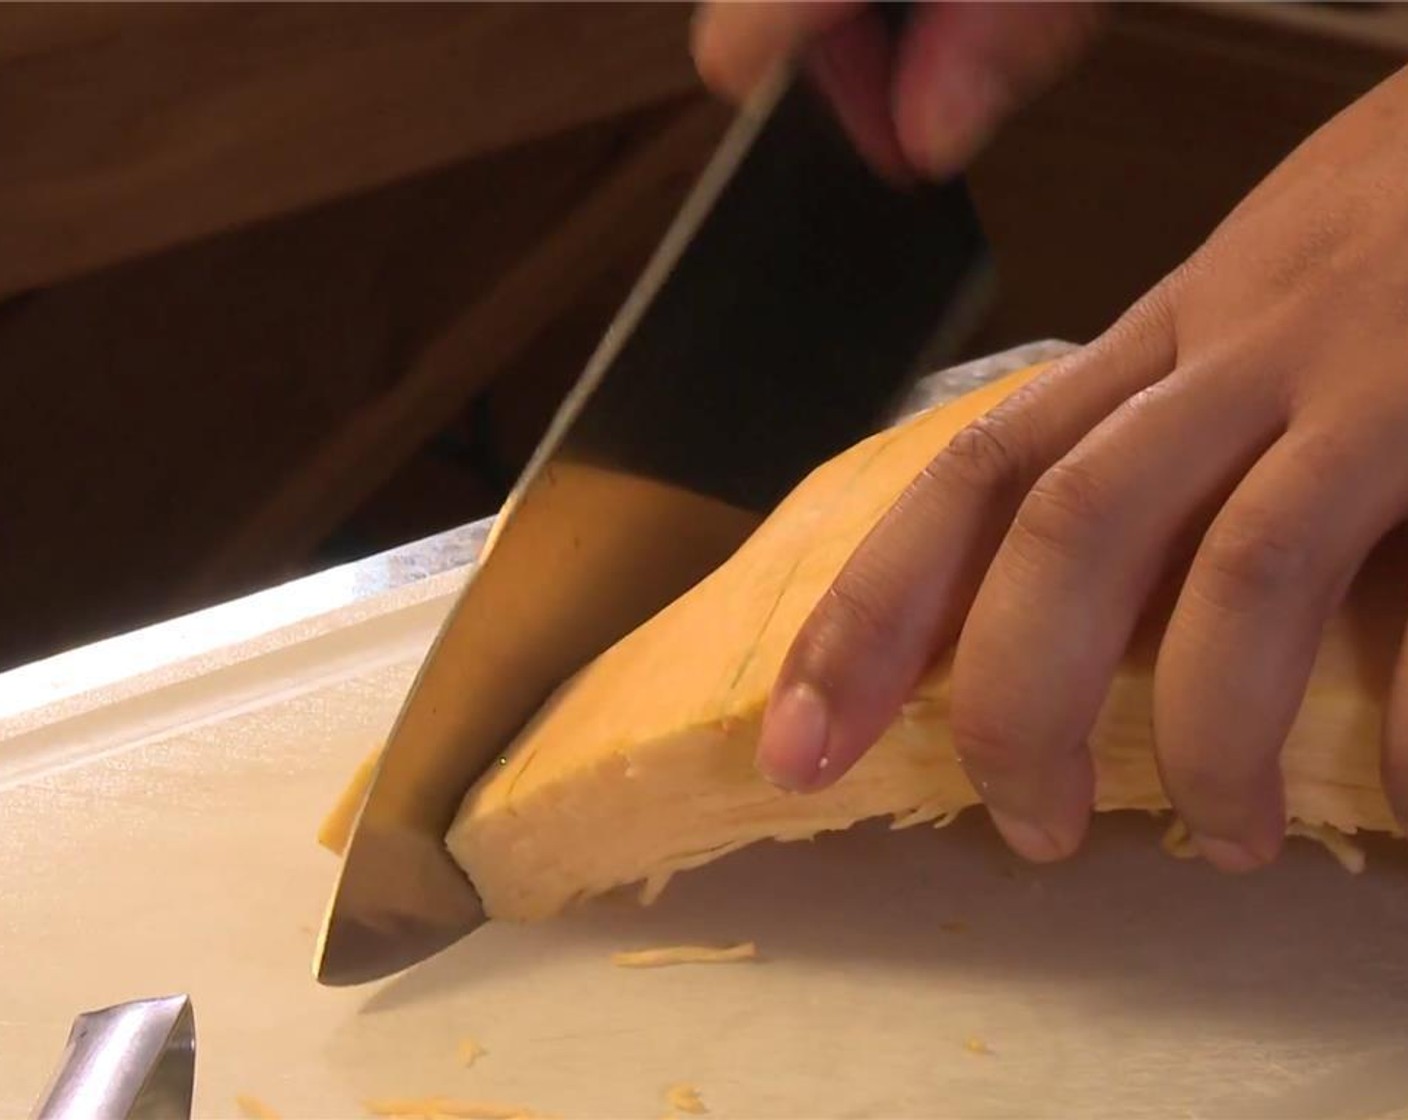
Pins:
x,y
903,595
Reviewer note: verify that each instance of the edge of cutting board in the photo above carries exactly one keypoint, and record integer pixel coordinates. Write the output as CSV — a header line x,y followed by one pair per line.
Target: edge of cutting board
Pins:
x,y
213,685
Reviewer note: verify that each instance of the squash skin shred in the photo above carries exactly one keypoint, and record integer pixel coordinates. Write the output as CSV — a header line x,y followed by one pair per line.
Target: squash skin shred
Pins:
x,y
685,1098
1178,841
670,955
642,764
252,1108
468,1051
1347,853
336,829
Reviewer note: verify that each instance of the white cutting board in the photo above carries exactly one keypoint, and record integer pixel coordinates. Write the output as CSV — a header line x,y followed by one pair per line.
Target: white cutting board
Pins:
x,y
163,842
156,836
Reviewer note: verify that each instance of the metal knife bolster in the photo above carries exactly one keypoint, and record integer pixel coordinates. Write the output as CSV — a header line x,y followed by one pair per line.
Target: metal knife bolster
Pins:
x,y
779,321
131,1061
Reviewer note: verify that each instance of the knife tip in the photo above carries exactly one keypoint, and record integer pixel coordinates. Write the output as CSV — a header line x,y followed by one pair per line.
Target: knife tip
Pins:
x,y
399,900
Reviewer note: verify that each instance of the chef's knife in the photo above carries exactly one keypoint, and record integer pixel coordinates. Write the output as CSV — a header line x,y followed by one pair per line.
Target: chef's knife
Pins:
x,y
784,313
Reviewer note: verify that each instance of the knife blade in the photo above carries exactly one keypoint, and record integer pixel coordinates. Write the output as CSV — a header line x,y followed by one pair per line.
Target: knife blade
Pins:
x,y
783,314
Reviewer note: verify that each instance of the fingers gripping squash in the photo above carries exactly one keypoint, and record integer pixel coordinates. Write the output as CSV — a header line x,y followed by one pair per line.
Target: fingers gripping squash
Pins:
x,y
641,766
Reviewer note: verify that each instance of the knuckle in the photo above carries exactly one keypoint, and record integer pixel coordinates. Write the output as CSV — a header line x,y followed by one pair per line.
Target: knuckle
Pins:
x,y
1065,509
1145,332
1196,781
991,455
850,623
1213,791
1335,453
1212,769
1249,559
985,747
855,601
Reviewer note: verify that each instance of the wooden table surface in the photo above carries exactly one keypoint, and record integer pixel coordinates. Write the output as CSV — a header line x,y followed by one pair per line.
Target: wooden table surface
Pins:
x,y
287,282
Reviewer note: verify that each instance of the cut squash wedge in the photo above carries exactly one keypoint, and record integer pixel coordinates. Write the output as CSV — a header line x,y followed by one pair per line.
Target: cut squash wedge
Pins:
x,y
641,766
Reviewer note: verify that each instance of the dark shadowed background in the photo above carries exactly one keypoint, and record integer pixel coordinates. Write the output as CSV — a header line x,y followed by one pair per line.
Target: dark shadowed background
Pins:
x,y
284,285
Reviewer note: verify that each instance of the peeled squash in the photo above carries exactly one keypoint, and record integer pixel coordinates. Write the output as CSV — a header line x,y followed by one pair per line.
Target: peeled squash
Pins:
x,y
641,766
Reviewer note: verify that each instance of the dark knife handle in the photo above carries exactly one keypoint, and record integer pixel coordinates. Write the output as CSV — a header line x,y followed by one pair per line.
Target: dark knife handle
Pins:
x,y
793,319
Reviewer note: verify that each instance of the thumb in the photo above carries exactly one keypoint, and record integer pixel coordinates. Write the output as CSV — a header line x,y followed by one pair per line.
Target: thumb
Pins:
x,y
736,45
964,68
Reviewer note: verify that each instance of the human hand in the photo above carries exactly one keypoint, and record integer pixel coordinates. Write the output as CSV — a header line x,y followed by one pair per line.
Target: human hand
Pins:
x,y
925,106
1250,412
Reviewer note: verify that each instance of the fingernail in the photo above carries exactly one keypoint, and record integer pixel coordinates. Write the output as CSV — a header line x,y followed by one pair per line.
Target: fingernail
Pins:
x,y
1026,839
1227,855
792,746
